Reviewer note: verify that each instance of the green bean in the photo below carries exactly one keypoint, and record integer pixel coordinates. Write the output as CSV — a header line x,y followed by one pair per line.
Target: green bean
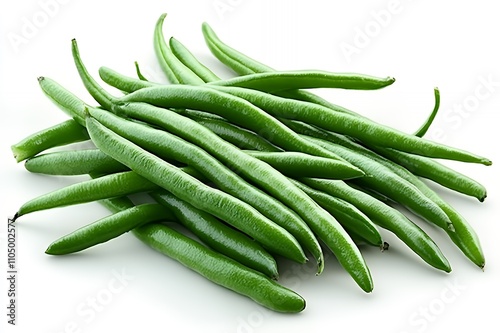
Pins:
x,y
353,220
108,228
123,82
425,126
114,185
218,236
362,129
386,217
166,145
76,162
384,181
61,134
239,63
435,171
277,81
238,136
187,58
303,165
182,74
220,269
215,202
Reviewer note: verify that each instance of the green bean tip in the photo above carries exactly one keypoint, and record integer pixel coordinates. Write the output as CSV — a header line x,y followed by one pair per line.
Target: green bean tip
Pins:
x,y
384,247
40,78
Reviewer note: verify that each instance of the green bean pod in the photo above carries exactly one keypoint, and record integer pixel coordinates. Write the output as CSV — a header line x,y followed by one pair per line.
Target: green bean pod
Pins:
x,y
188,59
218,236
123,82
351,218
215,202
168,61
386,217
108,228
220,269
114,185
435,171
166,145
295,164
61,134
76,162
277,81
240,137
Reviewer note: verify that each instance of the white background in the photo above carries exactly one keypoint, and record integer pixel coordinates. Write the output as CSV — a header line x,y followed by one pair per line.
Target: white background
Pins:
x,y
449,44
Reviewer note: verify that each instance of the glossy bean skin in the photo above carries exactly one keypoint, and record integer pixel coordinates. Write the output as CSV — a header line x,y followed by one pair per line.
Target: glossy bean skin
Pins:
x,y
76,162
218,236
114,185
61,134
295,164
166,145
435,171
240,137
386,217
108,228
277,81
220,269
353,220
188,59
215,202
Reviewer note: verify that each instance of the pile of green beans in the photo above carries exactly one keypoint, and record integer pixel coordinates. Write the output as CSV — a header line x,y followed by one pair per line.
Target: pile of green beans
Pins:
x,y
238,173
